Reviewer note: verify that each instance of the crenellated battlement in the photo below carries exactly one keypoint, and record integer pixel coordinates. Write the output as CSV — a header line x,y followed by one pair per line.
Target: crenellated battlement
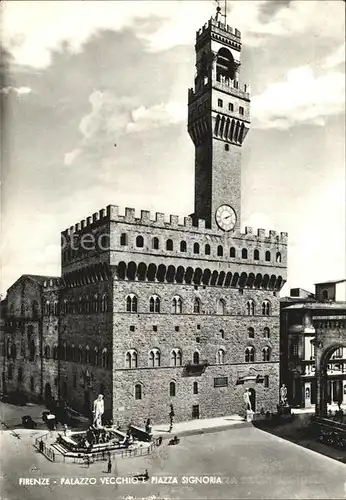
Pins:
x,y
218,25
168,221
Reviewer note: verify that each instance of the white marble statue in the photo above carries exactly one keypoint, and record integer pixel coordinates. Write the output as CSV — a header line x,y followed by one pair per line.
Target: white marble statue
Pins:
x,y
283,395
99,408
247,400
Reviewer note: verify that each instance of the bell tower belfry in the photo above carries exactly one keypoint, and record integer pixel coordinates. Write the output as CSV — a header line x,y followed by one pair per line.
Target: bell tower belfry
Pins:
x,y
218,121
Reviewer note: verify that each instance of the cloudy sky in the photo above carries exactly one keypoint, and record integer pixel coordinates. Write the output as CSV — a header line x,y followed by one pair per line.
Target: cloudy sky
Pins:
x,y
79,76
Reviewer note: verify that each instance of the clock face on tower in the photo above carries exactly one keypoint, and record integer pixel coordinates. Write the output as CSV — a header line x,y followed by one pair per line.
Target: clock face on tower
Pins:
x,y
225,217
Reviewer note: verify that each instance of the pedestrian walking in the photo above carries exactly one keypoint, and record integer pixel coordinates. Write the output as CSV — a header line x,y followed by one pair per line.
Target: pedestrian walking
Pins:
x,y
109,465
171,416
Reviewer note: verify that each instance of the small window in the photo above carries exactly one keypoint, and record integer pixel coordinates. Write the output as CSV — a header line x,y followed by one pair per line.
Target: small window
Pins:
x,y
138,391
195,358
132,328
221,306
197,306
266,333
195,411
154,328
169,245
230,106
251,333
226,147
244,253
198,340
220,103
220,357
266,381
250,308
198,327
183,246
267,256
221,382
123,239
196,248
220,251
172,389
177,328
266,354
241,110
195,387
207,249
256,255
139,242
278,257
155,243
232,252
222,334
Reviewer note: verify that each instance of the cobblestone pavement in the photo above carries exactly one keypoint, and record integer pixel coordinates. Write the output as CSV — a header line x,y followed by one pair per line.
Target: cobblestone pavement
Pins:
x,y
237,463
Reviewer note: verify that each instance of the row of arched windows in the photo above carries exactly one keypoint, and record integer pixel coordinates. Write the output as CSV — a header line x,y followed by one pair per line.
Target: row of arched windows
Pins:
x,y
138,390
177,305
176,358
84,305
197,249
78,354
251,332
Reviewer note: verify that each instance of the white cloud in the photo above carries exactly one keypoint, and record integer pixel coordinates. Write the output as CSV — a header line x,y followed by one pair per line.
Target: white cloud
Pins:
x,y
160,115
335,58
16,90
71,156
301,98
31,30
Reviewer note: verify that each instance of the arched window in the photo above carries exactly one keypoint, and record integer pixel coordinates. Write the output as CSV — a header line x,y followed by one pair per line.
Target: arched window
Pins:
x,y
225,67
195,358
34,309
244,253
131,359
251,333
123,239
267,256
104,303
250,308
183,246
220,251
278,257
169,245
154,357
266,332
87,354
266,308
220,358
154,304
139,241
47,308
249,354
207,249
176,357
155,243
131,303
177,305
222,333
47,352
266,353
256,255
232,252
197,306
172,389
138,391
195,248
105,358
221,306
266,381
195,387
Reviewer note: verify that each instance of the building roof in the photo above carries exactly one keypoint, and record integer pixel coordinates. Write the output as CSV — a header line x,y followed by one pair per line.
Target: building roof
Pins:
x,y
298,299
318,306
331,282
35,277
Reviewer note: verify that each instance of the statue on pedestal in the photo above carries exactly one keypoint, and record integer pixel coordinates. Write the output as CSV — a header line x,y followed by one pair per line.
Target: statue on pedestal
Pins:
x,y
99,408
283,395
247,400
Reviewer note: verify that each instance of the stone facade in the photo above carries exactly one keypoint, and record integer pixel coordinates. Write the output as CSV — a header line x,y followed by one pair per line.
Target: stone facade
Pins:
x,y
151,310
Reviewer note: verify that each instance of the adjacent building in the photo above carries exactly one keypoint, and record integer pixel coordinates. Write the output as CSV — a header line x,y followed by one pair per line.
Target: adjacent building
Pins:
x,y
307,319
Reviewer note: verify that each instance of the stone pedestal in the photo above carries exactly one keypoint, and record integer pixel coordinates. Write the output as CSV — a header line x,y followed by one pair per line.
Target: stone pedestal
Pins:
x,y
249,415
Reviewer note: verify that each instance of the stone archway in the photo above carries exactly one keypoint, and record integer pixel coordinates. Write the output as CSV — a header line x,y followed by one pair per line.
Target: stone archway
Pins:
x,y
324,349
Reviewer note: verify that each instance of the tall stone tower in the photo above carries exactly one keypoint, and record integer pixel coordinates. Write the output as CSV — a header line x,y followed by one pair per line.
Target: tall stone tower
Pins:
x,y
218,121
